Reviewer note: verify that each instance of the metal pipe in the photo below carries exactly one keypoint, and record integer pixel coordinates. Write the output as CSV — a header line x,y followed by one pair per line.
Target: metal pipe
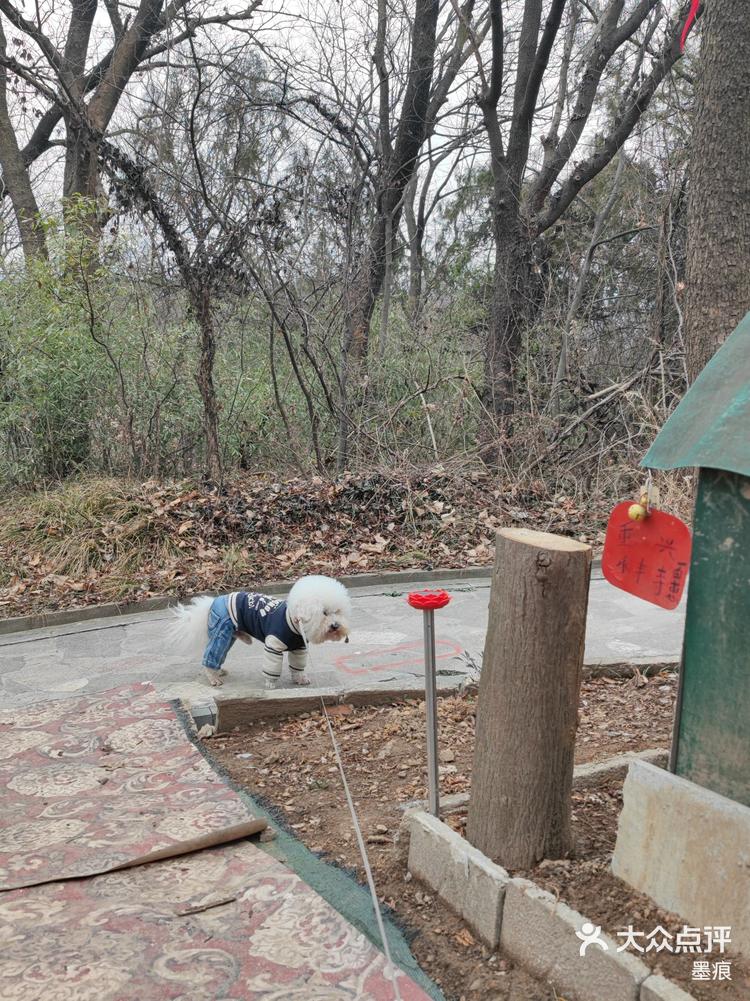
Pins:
x,y
430,698
674,746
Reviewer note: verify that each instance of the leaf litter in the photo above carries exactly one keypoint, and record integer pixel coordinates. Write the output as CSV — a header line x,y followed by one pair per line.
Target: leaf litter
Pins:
x,y
101,540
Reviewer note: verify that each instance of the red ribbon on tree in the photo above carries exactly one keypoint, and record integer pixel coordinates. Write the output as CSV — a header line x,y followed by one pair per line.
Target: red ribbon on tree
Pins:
x,y
692,14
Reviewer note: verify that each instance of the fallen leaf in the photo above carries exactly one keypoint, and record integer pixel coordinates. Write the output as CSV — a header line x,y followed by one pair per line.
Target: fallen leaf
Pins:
x,y
378,546
464,937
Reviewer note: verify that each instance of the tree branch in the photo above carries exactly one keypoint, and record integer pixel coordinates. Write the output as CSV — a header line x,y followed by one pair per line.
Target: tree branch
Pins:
x,y
601,50
624,125
518,146
127,54
114,17
30,77
491,98
82,17
14,177
49,51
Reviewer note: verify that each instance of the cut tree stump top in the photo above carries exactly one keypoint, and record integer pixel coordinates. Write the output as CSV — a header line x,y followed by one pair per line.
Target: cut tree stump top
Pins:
x,y
544,540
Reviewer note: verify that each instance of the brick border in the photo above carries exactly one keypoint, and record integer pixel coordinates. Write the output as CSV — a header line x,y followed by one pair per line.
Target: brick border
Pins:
x,y
530,925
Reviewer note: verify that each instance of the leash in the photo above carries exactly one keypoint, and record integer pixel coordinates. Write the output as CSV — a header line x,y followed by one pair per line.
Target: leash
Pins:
x,y
391,970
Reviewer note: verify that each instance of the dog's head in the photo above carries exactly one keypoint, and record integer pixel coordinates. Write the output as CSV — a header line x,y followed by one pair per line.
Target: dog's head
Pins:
x,y
321,607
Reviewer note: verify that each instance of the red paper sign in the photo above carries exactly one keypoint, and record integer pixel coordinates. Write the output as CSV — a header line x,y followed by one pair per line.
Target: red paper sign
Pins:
x,y
648,558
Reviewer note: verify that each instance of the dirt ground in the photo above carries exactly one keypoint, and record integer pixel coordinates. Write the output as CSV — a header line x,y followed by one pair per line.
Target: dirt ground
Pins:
x,y
291,765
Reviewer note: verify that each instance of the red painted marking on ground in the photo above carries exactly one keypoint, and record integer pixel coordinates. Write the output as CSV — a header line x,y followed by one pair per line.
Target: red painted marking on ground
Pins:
x,y
358,663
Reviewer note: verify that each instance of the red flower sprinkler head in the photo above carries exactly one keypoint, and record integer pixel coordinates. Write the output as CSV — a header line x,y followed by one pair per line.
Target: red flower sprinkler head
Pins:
x,y
428,600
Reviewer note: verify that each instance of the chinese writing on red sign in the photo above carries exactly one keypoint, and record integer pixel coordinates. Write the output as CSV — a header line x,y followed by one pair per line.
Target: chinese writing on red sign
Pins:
x,y
648,558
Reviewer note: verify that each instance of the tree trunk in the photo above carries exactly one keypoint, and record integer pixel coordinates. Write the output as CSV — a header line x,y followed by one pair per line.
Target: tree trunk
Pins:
x,y
718,257
415,234
385,310
398,169
512,305
81,188
527,712
397,172
15,177
600,222
201,300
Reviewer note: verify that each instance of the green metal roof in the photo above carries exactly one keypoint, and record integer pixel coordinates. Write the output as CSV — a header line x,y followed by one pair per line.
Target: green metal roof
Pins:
x,y
711,426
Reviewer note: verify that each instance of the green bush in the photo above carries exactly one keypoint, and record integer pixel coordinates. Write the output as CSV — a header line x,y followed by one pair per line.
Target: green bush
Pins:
x,y
97,375
48,377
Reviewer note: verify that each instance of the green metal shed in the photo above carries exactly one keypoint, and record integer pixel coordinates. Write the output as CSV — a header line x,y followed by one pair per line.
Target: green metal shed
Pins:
x,y
710,429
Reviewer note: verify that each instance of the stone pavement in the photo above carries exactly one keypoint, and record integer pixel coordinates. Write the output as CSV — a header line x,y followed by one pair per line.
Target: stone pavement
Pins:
x,y
385,650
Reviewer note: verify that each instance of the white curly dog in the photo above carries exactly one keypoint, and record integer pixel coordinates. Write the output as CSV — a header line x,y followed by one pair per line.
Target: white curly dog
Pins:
x,y
316,610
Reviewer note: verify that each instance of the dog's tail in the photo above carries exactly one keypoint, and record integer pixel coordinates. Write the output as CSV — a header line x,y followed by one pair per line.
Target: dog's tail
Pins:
x,y
189,630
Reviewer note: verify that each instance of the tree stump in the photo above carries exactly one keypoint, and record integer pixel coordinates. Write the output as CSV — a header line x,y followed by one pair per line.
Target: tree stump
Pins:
x,y
527,714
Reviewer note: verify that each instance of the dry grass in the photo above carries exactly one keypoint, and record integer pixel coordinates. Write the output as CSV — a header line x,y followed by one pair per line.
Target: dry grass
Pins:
x,y
92,526
103,539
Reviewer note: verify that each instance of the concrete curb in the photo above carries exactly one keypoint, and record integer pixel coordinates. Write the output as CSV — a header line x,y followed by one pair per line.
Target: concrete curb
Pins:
x,y
601,668
232,712
657,988
84,613
228,713
529,925
686,847
471,885
539,932
627,668
588,776
598,773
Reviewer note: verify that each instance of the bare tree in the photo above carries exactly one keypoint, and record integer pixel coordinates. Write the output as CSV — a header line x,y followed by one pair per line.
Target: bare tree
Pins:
x,y
191,174
77,85
530,195
376,93
15,175
579,288
398,160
